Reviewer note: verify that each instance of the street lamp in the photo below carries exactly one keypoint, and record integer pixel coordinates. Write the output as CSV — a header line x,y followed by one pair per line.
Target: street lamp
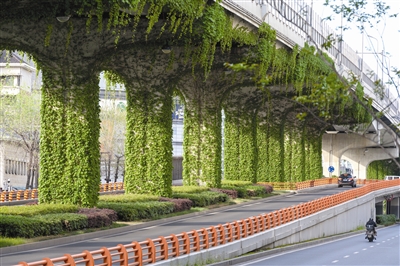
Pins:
x,y
374,53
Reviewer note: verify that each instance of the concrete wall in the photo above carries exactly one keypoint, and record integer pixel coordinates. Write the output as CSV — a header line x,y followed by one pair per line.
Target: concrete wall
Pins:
x,y
13,165
336,220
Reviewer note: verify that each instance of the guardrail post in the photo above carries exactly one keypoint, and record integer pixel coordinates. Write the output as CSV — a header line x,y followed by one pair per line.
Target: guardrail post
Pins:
x,y
175,245
106,256
206,238
221,228
152,249
186,243
88,256
214,236
123,255
164,248
230,232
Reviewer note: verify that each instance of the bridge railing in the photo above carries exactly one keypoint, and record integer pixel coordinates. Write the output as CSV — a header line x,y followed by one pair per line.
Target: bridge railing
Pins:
x,y
175,245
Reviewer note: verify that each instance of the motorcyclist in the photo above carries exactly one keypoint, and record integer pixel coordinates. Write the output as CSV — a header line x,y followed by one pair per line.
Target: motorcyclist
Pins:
x,y
372,222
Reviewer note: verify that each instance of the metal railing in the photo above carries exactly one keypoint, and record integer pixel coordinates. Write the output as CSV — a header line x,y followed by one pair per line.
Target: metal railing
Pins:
x,y
29,194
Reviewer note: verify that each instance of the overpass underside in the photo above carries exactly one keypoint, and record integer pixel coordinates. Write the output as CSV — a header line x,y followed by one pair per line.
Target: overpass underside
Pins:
x,y
360,148
264,139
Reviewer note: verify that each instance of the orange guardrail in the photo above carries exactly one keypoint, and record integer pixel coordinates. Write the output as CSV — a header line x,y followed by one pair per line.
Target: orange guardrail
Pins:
x,y
33,193
175,245
118,186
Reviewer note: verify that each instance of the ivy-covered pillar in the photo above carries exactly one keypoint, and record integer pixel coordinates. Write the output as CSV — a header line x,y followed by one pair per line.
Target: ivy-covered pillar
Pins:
x,y
313,150
69,144
262,152
202,143
148,146
231,146
276,150
149,77
240,146
294,149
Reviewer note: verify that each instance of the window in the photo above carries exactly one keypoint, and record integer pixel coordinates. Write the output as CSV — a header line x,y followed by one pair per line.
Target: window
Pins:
x,y
10,81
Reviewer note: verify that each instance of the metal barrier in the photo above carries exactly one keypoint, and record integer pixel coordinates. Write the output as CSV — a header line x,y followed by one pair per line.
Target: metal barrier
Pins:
x,y
28,194
175,245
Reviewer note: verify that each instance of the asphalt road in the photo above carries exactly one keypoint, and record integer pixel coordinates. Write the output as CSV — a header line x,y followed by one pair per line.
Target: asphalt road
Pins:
x,y
165,227
352,250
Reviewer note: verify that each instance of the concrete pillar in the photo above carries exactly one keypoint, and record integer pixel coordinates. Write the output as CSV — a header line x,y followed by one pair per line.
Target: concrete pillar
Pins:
x,y
379,208
2,165
395,207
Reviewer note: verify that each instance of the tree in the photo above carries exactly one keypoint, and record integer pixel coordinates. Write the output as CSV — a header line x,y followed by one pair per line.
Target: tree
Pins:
x,y
112,134
20,122
367,16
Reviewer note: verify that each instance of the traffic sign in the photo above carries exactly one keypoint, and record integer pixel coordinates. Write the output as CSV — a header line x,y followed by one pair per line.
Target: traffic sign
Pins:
x,y
331,169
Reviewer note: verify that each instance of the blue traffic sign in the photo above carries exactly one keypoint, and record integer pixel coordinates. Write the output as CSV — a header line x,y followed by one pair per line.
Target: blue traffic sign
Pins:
x,y
331,169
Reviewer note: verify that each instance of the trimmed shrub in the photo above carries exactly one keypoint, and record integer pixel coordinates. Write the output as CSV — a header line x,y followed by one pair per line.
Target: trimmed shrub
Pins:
x,y
189,189
99,217
203,199
19,226
125,198
40,225
386,219
268,188
32,210
236,183
138,210
241,191
230,192
179,204
256,191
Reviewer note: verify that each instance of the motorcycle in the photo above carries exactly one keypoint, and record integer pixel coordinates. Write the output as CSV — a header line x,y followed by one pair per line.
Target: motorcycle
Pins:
x,y
370,233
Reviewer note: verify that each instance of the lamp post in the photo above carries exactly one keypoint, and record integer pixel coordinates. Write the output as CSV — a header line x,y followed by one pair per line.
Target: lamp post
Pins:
x,y
374,53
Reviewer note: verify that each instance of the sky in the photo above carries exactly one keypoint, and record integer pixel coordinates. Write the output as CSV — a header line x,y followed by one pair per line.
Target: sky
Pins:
x,y
383,36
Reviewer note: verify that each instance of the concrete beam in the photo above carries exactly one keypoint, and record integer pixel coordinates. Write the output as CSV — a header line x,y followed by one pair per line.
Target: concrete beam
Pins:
x,y
352,147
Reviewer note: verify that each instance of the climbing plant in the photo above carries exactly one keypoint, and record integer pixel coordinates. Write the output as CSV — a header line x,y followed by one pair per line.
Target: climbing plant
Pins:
x,y
69,147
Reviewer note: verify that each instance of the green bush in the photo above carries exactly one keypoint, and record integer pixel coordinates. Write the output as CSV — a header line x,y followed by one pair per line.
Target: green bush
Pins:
x,y
124,198
32,210
241,191
256,191
189,189
236,183
386,219
138,210
41,225
19,226
99,217
203,199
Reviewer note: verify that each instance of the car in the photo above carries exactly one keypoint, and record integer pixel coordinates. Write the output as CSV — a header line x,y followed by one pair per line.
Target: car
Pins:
x,y
347,180
392,177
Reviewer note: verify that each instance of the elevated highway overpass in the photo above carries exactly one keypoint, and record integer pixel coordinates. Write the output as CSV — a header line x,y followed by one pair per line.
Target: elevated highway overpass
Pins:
x,y
296,23
262,148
